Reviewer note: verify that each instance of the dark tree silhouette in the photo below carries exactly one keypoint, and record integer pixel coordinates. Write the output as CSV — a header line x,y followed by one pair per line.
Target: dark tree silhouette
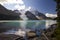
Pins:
x,y
58,8
57,31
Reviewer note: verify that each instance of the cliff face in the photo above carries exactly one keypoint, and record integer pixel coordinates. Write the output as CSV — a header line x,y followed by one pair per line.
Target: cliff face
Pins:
x,y
35,15
41,15
30,16
6,14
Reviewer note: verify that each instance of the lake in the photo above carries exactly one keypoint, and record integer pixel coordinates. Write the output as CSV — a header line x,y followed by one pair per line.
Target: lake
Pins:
x,y
21,27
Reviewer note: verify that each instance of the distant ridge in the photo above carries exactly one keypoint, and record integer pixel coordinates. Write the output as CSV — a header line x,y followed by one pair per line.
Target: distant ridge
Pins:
x,y
6,14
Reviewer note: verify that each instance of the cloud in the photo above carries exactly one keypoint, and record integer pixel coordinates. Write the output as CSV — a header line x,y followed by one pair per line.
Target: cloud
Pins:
x,y
2,0
18,4
11,2
19,7
51,15
28,8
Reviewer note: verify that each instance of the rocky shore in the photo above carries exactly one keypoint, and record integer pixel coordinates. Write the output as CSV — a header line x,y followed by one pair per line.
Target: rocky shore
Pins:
x,y
46,34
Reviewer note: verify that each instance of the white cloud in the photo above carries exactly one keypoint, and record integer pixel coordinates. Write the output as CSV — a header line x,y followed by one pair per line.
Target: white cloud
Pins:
x,y
11,2
28,8
51,15
19,7
2,0
19,4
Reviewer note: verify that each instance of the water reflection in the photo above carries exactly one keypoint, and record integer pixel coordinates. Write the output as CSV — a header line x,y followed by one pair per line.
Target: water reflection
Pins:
x,y
21,27
49,22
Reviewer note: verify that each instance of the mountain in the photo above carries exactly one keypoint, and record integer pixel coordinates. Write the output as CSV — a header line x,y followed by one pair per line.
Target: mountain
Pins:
x,y
35,15
30,16
6,14
38,14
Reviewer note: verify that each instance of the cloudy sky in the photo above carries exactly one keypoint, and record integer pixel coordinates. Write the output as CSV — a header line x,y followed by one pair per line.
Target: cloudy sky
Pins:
x,y
44,6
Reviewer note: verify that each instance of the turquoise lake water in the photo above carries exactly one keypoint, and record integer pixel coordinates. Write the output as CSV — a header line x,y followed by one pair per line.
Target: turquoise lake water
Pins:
x,y
31,24
27,25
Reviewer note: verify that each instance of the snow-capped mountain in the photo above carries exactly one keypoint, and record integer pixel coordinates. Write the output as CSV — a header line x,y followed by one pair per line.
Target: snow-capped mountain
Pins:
x,y
38,14
23,14
32,14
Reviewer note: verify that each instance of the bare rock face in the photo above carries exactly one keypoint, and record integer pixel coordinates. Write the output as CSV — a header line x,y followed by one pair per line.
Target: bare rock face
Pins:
x,y
35,15
30,16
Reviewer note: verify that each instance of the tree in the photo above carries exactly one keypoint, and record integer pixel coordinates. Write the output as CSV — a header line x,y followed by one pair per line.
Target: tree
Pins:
x,y
57,31
58,8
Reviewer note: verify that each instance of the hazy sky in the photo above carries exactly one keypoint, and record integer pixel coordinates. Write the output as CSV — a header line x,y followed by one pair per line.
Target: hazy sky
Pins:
x,y
44,6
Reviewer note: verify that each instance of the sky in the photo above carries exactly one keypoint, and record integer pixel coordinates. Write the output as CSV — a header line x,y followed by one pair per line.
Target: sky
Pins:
x,y
43,6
